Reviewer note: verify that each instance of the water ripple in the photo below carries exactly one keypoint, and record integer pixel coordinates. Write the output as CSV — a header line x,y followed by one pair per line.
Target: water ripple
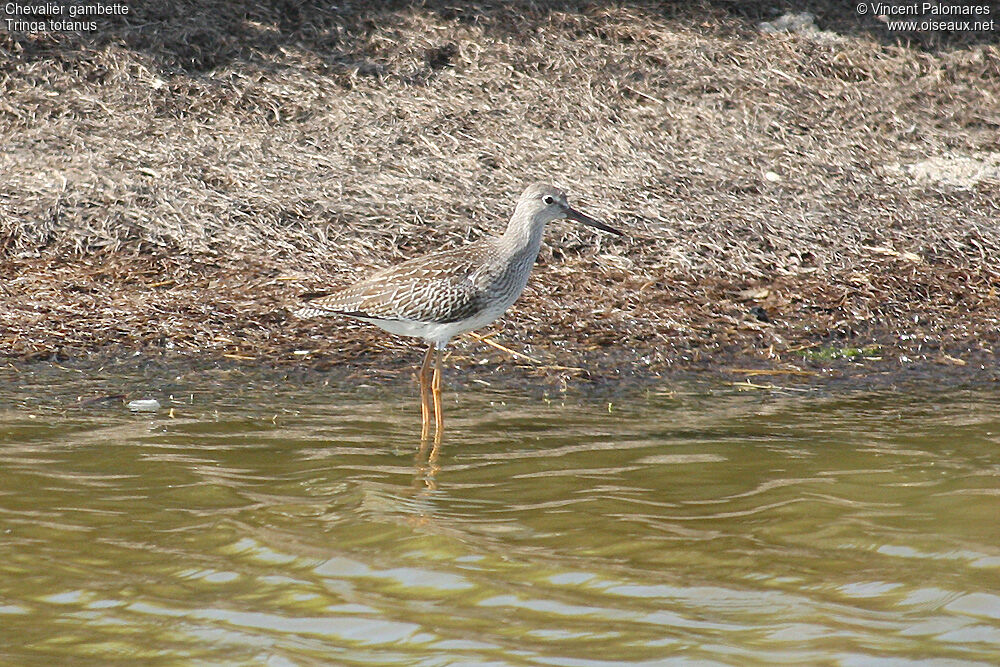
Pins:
x,y
276,526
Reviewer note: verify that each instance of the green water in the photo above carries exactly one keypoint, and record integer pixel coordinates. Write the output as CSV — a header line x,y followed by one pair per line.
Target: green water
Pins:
x,y
284,522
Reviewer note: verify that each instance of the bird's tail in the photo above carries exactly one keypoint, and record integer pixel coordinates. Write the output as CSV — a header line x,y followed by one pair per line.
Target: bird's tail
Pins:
x,y
312,311
311,308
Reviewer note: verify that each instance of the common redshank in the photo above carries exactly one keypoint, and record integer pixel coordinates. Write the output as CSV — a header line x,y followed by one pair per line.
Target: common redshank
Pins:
x,y
439,296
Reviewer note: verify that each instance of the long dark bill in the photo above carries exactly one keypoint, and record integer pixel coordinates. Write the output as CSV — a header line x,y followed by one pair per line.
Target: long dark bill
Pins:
x,y
573,214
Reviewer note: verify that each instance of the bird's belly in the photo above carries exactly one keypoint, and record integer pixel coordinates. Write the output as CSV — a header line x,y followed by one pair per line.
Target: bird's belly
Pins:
x,y
437,332
499,297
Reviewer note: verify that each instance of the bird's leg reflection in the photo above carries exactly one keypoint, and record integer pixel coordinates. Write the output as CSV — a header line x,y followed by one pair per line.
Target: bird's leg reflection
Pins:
x,y
430,393
427,463
425,394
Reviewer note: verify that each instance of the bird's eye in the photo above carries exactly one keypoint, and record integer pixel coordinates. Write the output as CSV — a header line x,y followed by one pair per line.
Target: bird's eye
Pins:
x,y
548,200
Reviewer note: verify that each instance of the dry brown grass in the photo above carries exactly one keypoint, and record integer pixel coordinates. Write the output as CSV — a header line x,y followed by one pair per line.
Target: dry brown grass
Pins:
x,y
179,177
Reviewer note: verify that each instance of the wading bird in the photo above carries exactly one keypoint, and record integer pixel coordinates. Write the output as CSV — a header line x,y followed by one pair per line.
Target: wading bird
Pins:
x,y
439,296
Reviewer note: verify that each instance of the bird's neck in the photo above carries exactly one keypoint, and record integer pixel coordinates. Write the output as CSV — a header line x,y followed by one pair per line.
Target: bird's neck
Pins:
x,y
524,234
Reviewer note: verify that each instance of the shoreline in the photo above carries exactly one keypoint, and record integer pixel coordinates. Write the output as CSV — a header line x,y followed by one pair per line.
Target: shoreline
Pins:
x,y
805,197
61,310
69,309
177,314
100,378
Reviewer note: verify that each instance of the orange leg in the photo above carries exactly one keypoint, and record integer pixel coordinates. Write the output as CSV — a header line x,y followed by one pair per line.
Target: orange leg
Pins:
x,y
425,394
436,391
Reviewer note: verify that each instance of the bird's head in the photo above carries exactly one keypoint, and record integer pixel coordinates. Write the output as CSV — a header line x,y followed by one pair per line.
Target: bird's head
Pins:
x,y
543,203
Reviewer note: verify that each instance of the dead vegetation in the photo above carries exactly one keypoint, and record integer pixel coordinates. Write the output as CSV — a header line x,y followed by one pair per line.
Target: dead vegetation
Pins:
x,y
174,179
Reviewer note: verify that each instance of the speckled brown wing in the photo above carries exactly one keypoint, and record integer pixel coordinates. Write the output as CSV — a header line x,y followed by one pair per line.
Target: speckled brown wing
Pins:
x,y
439,288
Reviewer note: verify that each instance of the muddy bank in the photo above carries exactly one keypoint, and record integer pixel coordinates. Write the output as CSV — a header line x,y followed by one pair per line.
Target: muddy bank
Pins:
x,y
902,324
111,381
824,197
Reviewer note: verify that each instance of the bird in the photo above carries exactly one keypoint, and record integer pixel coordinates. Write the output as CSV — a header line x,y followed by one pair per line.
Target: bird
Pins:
x,y
447,293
